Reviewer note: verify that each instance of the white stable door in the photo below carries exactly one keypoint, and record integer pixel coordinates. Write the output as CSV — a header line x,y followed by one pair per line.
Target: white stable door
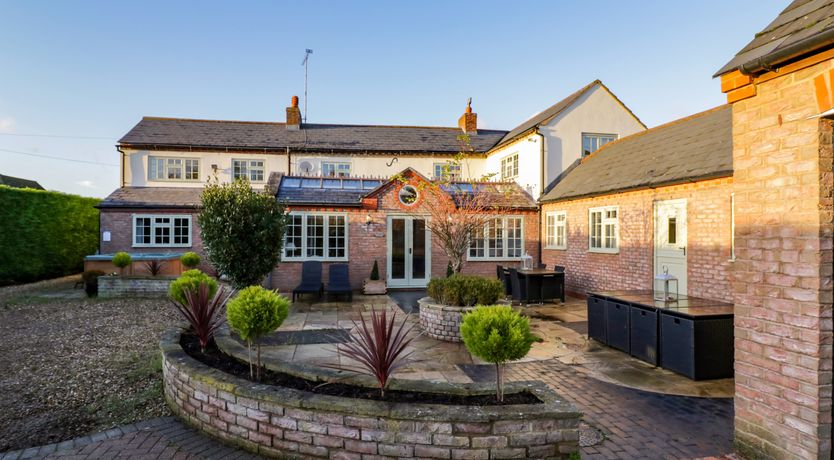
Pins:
x,y
670,240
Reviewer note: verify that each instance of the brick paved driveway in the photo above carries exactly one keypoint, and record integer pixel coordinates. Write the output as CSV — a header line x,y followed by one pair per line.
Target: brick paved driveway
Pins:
x,y
636,424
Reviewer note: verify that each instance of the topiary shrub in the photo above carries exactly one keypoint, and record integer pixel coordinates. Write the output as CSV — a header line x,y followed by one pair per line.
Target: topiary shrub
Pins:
x,y
190,280
497,334
465,290
122,260
90,279
375,272
254,312
190,259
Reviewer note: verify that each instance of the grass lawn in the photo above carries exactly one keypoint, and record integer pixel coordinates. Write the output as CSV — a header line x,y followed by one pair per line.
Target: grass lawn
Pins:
x,y
72,365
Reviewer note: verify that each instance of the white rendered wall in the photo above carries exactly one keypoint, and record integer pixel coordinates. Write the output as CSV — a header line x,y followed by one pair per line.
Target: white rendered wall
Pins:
x,y
529,160
136,172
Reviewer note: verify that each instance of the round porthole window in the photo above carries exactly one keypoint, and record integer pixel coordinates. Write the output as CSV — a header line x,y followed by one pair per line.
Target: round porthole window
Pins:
x,y
408,195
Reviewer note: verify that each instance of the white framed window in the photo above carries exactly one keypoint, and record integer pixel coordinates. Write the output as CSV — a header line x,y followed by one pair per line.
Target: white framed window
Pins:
x,y
316,236
249,169
161,230
175,169
604,233
447,170
556,230
335,169
509,167
591,142
501,238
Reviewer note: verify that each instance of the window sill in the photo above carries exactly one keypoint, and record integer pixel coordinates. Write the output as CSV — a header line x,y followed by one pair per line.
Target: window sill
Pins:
x,y
604,251
557,248
161,246
308,259
493,259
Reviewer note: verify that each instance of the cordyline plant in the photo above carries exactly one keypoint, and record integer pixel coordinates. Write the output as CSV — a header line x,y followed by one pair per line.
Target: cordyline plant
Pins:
x,y
458,209
154,266
203,311
381,349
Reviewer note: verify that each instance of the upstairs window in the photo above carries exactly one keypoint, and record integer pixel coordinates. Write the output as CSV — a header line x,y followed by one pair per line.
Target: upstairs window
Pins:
x,y
253,170
161,230
604,234
168,168
509,167
592,142
335,169
447,171
556,235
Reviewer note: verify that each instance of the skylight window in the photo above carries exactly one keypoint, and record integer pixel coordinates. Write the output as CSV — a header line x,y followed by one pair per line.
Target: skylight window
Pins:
x,y
311,183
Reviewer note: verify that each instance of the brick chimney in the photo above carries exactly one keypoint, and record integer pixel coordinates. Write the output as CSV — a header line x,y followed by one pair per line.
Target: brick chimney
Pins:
x,y
468,122
294,115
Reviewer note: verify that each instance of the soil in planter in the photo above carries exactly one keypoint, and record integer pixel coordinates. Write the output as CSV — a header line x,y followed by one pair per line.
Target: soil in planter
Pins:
x,y
217,359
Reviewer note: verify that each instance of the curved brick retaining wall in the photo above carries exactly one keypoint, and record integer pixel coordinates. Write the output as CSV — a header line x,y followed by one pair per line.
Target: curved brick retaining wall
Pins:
x,y
439,321
289,423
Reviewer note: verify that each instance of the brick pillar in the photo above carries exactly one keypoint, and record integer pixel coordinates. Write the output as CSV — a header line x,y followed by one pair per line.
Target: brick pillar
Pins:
x,y
781,278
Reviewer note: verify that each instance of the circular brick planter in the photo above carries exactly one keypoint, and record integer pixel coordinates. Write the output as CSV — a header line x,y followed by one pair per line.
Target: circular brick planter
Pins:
x,y
441,322
288,423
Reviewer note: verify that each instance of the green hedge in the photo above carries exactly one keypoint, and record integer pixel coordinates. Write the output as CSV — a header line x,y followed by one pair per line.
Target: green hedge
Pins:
x,y
44,234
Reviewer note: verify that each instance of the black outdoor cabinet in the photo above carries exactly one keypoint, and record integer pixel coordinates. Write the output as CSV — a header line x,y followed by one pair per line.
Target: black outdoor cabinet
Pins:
x,y
596,319
616,325
643,333
700,350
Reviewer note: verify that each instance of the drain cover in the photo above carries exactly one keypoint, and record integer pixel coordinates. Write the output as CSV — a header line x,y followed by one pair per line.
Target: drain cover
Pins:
x,y
589,436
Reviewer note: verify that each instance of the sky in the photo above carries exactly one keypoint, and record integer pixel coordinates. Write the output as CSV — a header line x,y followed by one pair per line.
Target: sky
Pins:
x,y
76,76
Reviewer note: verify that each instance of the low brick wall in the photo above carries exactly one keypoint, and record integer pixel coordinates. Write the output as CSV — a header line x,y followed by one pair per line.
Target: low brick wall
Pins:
x,y
287,423
439,321
133,286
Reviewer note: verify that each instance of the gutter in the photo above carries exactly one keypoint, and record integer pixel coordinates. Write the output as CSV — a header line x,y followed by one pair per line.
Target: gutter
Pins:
x,y
541,188
767,62
122,161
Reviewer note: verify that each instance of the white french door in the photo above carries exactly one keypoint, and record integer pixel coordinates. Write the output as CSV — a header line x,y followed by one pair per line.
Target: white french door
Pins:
x,y
409,252
670,240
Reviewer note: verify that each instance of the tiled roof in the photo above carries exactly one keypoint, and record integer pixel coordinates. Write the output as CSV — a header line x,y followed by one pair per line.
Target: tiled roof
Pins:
x,y
17,182
803,27
545,115
694,148
209,134
153,197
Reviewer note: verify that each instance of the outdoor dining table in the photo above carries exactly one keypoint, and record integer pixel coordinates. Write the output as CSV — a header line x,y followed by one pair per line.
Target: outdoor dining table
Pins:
x,y
534,280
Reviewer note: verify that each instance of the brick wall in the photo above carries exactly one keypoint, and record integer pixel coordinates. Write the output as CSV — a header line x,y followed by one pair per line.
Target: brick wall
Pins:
x,y
286,423
781,279
124,286
708,246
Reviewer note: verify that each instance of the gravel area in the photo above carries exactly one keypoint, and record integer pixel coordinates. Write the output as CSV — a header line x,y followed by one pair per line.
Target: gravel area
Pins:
x,y
72,365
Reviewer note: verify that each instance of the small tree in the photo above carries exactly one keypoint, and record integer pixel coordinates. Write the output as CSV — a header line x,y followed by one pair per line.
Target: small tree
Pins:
x,y
253,313
242,231
375,272
497,334
122,260
190,259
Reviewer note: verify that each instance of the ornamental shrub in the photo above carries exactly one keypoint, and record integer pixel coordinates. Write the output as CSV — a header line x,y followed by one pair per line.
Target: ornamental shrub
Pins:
x,y
191,281
190,259
90,279
465,290
122,260
375,272
253,313
242,231
496,334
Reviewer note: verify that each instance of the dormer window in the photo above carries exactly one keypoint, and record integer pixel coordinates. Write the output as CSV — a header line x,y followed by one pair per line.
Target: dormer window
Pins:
x,y
592,142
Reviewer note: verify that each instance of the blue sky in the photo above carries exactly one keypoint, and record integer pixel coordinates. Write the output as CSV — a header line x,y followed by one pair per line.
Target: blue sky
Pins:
x,y
93,69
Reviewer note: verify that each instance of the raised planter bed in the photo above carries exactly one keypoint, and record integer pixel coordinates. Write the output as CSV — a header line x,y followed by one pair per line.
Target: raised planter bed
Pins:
x,y
133,286
284,422
441,322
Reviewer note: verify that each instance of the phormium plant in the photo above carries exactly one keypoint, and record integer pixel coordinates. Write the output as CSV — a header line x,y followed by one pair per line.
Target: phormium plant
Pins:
x,y
380,350
203,311
253,313
154,266
497,334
